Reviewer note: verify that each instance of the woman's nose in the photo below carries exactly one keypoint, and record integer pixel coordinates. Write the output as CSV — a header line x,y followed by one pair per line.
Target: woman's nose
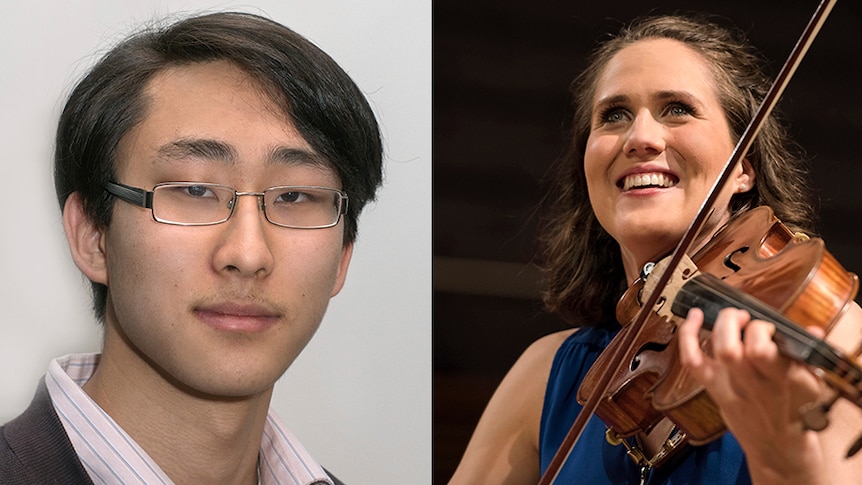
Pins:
x,y
645,136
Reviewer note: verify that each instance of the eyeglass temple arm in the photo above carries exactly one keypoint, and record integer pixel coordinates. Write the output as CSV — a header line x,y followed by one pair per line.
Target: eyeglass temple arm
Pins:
x,y
132,195
344,202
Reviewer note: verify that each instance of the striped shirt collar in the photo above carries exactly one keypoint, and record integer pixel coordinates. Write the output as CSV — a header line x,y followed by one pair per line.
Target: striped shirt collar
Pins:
x,y
111,456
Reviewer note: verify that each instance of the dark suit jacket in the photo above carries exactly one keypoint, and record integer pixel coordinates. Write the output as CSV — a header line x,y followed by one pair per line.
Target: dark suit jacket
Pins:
x,y
34,448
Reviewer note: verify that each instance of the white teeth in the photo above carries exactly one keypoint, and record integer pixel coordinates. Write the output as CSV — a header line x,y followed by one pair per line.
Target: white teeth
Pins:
x,y
647,180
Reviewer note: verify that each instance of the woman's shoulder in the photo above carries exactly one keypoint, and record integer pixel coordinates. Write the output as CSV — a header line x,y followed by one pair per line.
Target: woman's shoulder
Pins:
x,y
505,446
564,345
547,346
531,370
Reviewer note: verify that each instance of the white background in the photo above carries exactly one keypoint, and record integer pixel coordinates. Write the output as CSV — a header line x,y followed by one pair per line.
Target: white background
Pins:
x,y
359,397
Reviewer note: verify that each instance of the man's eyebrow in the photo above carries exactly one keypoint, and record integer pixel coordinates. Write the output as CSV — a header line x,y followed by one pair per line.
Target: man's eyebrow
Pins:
x,y
198,148
298,156
215,150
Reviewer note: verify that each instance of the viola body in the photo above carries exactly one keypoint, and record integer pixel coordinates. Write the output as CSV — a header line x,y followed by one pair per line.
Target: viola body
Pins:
x,y
754,254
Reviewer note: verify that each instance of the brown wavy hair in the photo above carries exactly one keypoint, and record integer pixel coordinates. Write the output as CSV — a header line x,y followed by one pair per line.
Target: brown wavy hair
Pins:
x,y
581,261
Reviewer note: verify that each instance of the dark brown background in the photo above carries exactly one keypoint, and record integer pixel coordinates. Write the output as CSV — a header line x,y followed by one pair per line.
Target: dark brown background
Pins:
x,y
501,74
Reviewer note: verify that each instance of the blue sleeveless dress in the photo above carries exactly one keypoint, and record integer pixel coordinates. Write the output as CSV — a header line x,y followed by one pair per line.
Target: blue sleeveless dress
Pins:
x,y
593,460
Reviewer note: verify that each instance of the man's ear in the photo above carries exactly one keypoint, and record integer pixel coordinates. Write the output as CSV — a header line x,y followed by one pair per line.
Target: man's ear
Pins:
x,y
86,240
343,264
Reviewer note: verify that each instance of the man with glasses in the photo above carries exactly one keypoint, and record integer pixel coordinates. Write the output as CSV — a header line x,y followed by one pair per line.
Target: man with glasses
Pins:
x,y
210,173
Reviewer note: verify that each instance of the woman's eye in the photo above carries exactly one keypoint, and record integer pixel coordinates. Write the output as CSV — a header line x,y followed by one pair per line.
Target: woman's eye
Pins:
x,y
612,114
679,109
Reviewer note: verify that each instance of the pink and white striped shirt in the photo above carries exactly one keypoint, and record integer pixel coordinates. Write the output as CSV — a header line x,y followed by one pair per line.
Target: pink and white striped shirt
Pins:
x,y
111,456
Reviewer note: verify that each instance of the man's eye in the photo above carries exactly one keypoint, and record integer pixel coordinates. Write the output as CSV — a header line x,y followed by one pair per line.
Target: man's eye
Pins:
x,y
199,191
291,197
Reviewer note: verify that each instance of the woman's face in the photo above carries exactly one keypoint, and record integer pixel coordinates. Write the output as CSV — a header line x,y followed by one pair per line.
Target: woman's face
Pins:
x,y
658,141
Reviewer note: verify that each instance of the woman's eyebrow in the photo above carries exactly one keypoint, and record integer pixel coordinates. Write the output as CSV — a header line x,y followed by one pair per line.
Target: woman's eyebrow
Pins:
x,y
675,94
612,100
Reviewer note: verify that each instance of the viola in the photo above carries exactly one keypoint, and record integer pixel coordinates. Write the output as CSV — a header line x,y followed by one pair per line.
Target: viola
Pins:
x,y
754,263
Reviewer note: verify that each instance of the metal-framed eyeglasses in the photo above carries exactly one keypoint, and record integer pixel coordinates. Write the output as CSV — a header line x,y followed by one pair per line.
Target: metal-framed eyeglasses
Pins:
x,y
203,204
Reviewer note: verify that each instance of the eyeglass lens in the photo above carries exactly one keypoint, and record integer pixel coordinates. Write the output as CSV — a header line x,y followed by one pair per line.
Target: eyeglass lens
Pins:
x,y
303,207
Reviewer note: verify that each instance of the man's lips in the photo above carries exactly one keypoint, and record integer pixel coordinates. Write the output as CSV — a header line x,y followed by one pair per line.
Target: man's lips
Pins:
x,y
237,317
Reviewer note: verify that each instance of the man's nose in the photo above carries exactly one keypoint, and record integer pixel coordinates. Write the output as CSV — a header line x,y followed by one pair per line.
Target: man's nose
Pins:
x,y
244,245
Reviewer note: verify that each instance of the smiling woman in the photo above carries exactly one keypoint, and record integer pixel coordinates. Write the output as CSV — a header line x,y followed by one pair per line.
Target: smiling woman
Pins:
x,y
658,111
659,118
501,92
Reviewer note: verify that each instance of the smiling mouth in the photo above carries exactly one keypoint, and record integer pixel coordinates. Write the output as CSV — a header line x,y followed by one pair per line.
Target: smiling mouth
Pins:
x,y
647,180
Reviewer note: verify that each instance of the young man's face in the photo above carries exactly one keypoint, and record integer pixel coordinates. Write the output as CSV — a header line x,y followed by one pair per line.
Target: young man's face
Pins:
x,y
221,310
